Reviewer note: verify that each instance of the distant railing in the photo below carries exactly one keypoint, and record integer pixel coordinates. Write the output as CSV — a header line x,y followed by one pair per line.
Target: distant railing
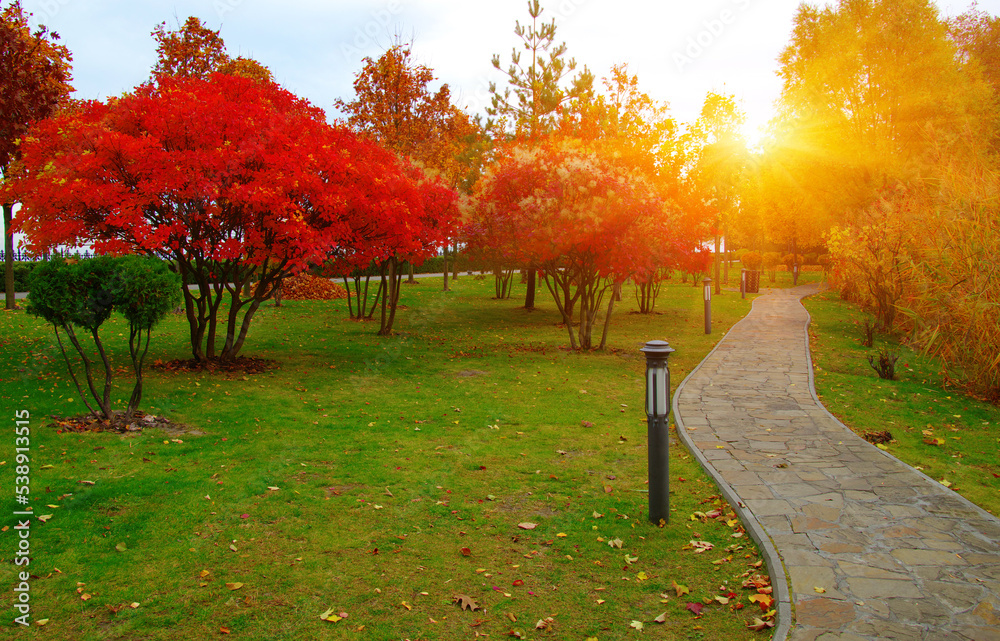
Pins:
x,y
25,257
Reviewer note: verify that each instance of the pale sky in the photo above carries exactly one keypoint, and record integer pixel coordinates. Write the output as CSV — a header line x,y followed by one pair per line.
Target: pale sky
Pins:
x,y
679,49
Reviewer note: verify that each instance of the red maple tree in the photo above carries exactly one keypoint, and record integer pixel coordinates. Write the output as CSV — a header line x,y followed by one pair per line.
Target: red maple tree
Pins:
x,y
236,181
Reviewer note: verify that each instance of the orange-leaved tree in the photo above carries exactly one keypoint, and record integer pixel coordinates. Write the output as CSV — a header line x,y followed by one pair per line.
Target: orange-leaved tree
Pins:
x,y
395,106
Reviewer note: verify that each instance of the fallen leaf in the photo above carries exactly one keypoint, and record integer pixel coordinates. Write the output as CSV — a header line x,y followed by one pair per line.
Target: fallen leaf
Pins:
x,y
642,576
223,630
465,602
637,625
819,590
85,597
681,590
45,517
41,622
760,624
527,526
763,600
544,624
661,619
695,607
616,543
723,600
406,605
121,547
512,617
466,552
234,586
934,441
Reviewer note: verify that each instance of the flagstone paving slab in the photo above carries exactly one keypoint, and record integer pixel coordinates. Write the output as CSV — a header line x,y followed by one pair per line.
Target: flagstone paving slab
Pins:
x,y
860,546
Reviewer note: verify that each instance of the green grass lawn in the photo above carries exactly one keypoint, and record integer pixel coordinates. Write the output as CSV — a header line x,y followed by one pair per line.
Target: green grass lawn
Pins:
x,y
939,430
378,477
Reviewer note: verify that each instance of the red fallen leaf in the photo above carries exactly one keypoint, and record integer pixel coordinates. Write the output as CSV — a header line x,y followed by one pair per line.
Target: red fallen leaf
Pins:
x,y
466,552
518,583
482,467
244,516
608,489
695,607
223,630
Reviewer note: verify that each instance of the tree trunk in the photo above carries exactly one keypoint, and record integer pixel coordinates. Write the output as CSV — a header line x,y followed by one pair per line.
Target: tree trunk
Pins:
x,y
410,279
718,264
446,268
607,319
529,299
8,254
454,265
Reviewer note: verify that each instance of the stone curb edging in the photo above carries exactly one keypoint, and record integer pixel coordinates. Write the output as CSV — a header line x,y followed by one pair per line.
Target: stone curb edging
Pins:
x,y
750,522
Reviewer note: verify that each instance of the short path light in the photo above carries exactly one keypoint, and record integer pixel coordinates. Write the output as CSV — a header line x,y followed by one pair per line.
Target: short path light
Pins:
x,y
708,305
657,409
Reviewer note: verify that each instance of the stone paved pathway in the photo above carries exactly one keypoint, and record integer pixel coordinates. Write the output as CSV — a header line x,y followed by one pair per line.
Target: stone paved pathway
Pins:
x,y
898,555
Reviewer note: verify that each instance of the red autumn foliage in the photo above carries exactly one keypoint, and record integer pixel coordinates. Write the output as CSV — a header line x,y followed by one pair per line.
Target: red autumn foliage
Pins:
x,y
233,179
586,220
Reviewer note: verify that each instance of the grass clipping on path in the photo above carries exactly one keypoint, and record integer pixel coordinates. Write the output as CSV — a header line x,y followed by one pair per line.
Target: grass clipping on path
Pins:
x,y
466,477
937,429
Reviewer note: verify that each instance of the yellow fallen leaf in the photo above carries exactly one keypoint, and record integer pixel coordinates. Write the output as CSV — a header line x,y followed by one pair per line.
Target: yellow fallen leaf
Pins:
x,y
134,605
819,590
406,605
41,622
44,518
234,586
204,573
642,576
945,482
882,446
85,597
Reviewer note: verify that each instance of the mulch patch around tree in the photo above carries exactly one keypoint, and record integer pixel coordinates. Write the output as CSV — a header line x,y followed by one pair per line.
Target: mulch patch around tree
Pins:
x,y
139,421
239,365
876,438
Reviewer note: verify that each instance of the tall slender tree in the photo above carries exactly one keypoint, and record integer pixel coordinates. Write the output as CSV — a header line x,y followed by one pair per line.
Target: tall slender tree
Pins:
x,y
529,106
34,79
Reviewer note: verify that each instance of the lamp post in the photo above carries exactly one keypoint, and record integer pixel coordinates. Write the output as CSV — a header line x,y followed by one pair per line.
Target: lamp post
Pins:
x,y
708,305
743,284
658,435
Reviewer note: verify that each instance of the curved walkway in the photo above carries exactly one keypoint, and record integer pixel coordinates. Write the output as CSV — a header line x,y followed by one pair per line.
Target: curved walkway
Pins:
x,y
895,554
